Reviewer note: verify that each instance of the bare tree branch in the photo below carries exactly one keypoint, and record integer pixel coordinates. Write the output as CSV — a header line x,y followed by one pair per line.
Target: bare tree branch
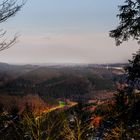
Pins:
x,y
5,45
8,8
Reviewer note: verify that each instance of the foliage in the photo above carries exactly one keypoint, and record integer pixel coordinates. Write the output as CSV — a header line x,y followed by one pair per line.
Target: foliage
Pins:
x,y
126,111
133,70
78,125
129,25
72,124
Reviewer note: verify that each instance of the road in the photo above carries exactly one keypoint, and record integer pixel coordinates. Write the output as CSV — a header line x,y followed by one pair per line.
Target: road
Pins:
x,y
70,104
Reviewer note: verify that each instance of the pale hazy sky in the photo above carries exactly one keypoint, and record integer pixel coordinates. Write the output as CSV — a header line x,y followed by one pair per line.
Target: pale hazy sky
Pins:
x,y
66,31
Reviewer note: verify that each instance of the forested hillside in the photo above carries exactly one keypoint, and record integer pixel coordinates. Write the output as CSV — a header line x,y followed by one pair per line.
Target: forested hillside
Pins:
x,y
58,82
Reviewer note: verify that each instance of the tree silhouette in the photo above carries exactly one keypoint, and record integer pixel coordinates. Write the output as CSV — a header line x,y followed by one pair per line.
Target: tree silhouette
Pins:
x,y
133,70
129,26
8,8
128,97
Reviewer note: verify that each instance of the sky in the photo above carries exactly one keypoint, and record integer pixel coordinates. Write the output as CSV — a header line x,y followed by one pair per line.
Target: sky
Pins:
x,y
66,31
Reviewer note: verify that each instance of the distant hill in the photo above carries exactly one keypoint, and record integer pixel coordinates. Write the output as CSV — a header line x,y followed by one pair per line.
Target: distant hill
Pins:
x,y
9,72
56,81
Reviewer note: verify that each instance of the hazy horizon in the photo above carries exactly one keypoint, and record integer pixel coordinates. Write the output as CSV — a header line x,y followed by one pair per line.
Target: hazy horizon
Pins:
x,y
54,64
66,32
